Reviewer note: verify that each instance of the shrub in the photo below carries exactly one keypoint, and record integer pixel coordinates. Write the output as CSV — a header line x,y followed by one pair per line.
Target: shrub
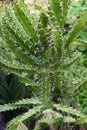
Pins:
x,y
41,57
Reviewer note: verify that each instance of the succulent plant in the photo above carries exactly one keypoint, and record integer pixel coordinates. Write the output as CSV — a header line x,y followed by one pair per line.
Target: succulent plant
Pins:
x,y
40,48
11,89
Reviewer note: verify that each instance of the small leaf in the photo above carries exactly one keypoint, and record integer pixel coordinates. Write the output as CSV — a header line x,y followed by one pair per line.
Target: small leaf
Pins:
x,y
72,34
79,42
82,120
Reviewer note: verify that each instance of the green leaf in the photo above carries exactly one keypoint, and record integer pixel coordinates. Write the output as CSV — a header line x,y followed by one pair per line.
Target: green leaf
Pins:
x,y
14,25
42,31
71,61
65,108
65,10
23,117
57,10
19,104
79,42
25,80
68,119
72,34
14,128
25,21
80,82
4,91
7,107
20,68
57,42
82,120
7,36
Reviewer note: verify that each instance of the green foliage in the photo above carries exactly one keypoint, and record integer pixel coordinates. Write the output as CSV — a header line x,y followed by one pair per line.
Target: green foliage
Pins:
x,y
10,88
75,10
82,97
18,104
23,117
67,109
40,49
77,27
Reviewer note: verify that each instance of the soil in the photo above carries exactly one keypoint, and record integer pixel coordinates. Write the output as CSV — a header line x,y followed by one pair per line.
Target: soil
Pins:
x,y
5,1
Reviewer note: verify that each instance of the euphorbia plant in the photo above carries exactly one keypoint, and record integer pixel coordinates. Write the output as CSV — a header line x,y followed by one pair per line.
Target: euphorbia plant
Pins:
x,y
41,57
